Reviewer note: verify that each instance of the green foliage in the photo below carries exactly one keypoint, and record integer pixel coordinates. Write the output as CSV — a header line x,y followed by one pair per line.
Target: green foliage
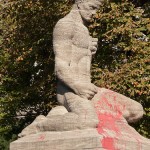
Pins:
x,y
28,84
4,142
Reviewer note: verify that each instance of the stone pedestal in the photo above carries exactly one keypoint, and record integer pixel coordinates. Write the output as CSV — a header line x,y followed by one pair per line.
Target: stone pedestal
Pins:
x,y
88,139
68,140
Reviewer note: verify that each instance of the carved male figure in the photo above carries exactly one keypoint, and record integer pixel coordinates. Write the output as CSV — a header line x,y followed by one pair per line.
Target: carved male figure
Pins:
x,y
74,49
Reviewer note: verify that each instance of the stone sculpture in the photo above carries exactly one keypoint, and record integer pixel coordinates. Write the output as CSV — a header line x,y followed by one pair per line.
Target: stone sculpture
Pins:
x,y
85,106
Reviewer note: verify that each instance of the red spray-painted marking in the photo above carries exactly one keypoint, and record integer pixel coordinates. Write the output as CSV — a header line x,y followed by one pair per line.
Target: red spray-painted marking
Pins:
x,y
108,121
108,143
41,138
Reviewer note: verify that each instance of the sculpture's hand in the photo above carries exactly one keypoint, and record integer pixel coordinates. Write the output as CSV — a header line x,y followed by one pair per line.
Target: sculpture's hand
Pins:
x,y
93,45
86,90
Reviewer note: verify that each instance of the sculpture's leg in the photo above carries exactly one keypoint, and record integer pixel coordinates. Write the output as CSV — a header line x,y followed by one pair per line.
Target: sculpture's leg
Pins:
x,y
110,100
83,108
82,116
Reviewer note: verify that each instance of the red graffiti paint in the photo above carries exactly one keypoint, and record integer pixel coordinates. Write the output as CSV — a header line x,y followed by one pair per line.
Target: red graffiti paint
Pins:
x,y
108,143
41,138
109,112
107,121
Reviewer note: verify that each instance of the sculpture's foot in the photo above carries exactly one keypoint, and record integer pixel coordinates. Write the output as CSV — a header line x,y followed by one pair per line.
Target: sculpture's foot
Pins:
x,y
32,128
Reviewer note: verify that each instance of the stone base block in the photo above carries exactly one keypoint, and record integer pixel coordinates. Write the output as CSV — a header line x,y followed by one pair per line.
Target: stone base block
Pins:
x,y
88,139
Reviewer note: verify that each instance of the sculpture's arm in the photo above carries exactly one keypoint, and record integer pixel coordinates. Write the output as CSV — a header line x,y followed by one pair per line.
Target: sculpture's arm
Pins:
x,y
62,43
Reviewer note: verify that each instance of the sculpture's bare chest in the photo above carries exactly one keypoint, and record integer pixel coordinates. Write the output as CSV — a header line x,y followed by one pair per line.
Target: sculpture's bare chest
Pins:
x,y
81,37
81,54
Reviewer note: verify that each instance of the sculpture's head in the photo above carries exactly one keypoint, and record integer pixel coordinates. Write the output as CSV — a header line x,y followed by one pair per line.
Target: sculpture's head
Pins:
x,y
88,8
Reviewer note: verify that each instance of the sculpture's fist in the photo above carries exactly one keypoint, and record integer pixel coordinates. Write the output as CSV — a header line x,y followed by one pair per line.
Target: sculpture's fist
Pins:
x,y
93,45
86,90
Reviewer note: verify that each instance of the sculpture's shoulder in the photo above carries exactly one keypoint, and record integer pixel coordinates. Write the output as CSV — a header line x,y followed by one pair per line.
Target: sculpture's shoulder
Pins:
x,y
65,23
64,29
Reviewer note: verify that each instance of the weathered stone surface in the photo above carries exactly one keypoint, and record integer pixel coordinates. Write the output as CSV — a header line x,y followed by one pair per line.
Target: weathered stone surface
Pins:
x,y
32,128
78,140
68,140
59,110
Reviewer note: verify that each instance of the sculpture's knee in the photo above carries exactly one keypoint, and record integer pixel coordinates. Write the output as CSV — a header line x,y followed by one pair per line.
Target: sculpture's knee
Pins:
x,y
134,113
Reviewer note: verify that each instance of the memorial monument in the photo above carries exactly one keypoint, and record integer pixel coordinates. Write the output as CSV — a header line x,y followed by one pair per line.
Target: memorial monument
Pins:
x,y
88,117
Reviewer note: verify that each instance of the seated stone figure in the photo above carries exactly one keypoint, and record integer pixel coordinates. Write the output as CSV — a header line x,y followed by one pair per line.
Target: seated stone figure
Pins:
x,y
74,49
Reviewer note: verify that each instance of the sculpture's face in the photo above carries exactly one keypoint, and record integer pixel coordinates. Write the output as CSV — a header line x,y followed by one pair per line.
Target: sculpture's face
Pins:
x,y
88,9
